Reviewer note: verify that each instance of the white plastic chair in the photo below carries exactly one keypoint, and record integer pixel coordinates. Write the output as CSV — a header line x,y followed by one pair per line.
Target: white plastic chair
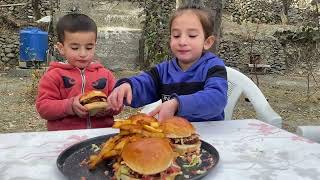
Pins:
x,y
309,132
239,83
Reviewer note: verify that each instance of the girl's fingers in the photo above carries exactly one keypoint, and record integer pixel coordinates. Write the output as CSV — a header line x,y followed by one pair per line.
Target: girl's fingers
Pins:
x,y
119,99
155,111
129,96
112,99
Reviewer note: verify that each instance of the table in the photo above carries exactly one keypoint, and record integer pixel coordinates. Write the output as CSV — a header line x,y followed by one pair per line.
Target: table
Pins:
x,y
249,150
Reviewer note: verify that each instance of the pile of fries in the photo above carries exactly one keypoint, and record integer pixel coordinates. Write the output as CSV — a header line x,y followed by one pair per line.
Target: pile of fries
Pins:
x,y
132,129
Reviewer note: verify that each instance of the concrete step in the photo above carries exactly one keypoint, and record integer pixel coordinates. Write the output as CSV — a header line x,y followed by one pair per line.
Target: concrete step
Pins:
x,y
124,14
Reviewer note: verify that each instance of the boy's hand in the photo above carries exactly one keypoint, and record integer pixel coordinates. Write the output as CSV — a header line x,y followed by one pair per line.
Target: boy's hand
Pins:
x,y
78,109
108,112
118,95
101,114
166,110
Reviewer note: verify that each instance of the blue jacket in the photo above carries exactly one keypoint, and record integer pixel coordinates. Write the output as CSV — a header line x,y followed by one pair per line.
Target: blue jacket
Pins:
x,y
201,90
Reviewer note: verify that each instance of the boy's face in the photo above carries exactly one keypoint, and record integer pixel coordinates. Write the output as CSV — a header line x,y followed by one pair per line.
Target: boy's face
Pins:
x,y
78,48
187,40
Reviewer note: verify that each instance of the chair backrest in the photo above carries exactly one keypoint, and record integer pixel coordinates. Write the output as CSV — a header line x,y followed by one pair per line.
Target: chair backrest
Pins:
x,y
239,83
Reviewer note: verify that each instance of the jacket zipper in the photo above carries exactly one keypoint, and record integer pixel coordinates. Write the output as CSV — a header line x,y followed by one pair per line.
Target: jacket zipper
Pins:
x,y
83,84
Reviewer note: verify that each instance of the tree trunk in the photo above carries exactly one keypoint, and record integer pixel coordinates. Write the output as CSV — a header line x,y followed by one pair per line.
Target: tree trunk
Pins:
x,y
182,2
36,10
216,6
285,10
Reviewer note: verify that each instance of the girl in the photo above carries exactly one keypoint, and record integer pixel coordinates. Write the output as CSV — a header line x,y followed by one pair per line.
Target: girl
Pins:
x,y
192,85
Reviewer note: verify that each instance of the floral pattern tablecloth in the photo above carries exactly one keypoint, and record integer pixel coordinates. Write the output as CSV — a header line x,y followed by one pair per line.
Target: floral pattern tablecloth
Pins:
x,y
249,150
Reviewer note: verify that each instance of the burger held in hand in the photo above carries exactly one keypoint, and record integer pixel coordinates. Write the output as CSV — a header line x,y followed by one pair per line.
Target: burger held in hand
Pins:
x,y
148,158
95,101
182,135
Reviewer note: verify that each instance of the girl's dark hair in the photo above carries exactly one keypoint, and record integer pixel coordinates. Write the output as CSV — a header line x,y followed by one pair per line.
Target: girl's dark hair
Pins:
x,y
205,16
75,23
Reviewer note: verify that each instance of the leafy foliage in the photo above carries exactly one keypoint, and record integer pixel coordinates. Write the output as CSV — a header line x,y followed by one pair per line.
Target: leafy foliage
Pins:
x,y
303,35
306,41
259,11
155,35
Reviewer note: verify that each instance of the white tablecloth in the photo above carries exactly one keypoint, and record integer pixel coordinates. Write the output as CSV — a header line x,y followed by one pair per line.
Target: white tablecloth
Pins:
x,y
249,149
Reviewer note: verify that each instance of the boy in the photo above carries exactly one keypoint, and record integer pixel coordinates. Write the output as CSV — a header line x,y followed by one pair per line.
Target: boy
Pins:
x,y
62,85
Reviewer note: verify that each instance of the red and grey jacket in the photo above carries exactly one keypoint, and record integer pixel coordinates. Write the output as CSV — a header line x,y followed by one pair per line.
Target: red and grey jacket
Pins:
x,y
58,87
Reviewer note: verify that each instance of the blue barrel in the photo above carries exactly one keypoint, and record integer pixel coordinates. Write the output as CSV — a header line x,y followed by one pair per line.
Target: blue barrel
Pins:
x,y
33,44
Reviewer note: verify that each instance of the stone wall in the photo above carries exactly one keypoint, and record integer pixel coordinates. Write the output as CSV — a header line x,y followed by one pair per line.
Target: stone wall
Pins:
x,y
105,13
19,11
269,11
9,49
22,9
235,50
118,49
120,31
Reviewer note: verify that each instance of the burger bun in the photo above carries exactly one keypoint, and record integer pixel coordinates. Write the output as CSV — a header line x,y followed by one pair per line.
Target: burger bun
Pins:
x,y
95,101
148,156
177,127
96,107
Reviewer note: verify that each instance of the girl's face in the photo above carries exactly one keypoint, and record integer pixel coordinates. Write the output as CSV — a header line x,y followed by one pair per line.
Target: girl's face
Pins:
x,y
78,48
187,40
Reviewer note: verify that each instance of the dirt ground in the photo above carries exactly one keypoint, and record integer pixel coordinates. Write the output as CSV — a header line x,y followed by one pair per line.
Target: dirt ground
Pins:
x,y
287,95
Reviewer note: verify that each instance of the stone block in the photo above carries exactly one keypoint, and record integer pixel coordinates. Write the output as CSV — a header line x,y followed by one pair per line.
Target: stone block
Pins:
x,y
119,49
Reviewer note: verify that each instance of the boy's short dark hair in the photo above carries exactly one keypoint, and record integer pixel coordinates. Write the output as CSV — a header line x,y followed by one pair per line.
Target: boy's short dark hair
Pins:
x,y
75,23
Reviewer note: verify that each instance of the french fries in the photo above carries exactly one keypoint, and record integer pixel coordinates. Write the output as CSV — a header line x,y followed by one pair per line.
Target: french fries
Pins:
x,y
104,153
155,124
152,129
118,123
131,129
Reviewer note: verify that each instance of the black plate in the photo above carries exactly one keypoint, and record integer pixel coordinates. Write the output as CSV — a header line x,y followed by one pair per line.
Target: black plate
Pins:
x,y
69,161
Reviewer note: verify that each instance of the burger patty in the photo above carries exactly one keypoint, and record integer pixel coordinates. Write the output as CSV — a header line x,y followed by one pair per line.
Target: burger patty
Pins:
x,y
94,99
173,169
136,175
194,138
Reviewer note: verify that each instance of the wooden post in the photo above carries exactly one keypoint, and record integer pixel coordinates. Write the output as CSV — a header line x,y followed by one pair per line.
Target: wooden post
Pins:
x,y
36,10
178,3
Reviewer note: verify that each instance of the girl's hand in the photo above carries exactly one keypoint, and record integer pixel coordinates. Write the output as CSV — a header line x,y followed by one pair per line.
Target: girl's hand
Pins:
x,y
166,110
118,95
78,109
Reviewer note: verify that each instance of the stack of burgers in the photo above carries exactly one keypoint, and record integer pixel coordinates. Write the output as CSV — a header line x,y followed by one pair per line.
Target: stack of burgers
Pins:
x,y
147,149
154,158
182,135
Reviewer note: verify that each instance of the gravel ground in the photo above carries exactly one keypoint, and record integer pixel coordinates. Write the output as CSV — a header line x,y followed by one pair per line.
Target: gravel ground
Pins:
x,y
286,94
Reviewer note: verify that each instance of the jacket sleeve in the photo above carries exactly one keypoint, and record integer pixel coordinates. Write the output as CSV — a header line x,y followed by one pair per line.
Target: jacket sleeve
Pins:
x,y
144,89
49,104
210,102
